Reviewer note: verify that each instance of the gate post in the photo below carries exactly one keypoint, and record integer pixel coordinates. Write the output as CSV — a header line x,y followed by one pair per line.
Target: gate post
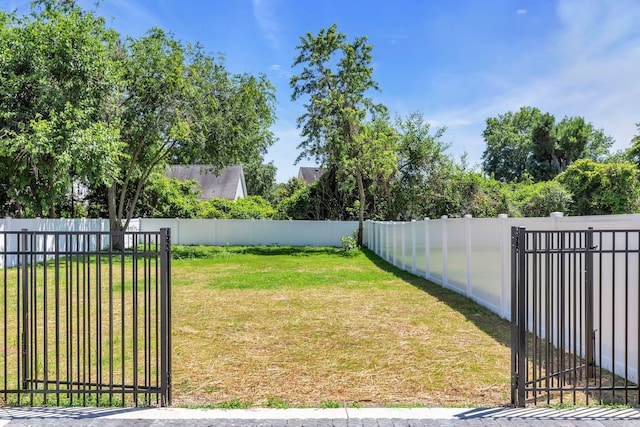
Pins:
x,y
518,316
590,337
165,320
23,243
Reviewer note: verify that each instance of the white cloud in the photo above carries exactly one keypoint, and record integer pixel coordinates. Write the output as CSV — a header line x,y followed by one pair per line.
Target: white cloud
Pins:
x,y
263,11
279,72
521,11
592,71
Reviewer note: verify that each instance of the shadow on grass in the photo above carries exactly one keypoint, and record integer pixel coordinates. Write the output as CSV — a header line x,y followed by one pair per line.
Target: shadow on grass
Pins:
x,y
489,322
289,250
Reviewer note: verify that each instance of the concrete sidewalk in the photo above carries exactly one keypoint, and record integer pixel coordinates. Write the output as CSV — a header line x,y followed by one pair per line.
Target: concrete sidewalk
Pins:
x,y
343,417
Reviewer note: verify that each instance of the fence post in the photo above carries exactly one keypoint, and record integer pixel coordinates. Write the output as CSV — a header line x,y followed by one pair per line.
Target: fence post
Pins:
x,y
387,241
467,233
504,265
368,228
445,276
427,249
4,262
24,243
394,232
590,338
413,246
165,320
518,316
555,220
403,244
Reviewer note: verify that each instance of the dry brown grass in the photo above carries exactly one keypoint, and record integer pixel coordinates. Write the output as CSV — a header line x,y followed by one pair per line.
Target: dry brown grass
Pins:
x,y
380,337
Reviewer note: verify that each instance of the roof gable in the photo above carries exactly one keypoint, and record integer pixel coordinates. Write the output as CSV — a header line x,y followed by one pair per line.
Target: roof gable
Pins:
x,y
228,184
310,174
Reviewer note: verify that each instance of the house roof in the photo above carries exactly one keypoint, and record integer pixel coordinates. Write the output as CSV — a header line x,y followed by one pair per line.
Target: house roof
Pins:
x,y
228,184
310,174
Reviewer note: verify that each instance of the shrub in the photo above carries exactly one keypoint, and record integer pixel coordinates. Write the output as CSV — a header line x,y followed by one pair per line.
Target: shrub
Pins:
x,y
602,188
350,243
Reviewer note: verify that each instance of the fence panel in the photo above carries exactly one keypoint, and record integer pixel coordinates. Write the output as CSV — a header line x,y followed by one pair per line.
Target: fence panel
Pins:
x,y
575,323
86,321
221,232
457,254
486,265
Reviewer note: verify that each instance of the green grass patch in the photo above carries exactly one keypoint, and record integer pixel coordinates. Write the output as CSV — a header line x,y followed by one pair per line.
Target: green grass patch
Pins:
x,y
302,327
315,327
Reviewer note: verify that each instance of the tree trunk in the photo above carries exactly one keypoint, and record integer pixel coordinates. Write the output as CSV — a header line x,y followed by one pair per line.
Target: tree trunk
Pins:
x,y
115,223
361,210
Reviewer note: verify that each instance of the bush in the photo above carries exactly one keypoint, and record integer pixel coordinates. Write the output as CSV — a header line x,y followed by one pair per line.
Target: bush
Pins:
x,y
350,243
540,199
602,188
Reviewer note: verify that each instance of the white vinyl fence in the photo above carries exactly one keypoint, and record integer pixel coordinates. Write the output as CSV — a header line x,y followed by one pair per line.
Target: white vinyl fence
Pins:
x,y
221,232
192,231
471,255
9,242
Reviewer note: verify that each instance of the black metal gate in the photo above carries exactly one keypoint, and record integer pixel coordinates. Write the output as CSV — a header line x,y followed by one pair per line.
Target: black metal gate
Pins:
x,y
85,318
574,309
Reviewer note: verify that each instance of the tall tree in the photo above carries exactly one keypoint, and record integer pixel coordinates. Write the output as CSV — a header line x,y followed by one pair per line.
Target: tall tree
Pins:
x,y
508,139
532,143
557,145
181,105
58,118
422,169
336,77
260,178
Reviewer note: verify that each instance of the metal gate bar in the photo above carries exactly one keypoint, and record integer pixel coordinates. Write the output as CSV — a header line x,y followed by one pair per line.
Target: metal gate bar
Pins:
x,y
86,318
575,322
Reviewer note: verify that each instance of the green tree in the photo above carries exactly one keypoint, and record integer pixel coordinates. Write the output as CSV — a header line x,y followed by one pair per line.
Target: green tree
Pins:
x,y
556,146
471,193
532,143
165,197
181,105
58,111
325,199
260,178
633,153
286,189
252,207
602,189
539,199
421,171
508,139
336,77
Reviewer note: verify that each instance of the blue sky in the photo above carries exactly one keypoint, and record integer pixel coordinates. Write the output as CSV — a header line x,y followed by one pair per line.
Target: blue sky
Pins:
x,y
457,62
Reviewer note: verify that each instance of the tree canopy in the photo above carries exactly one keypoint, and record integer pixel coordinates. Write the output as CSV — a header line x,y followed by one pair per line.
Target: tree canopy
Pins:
x,y
59,83
336,78
529,142
181,105
81,104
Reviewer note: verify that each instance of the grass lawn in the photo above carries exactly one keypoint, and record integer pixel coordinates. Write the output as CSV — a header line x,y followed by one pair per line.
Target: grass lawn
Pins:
x,y
282,326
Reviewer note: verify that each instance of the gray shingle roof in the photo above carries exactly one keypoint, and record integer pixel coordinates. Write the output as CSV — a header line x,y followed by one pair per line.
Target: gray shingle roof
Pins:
x,y
310,174
228,184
